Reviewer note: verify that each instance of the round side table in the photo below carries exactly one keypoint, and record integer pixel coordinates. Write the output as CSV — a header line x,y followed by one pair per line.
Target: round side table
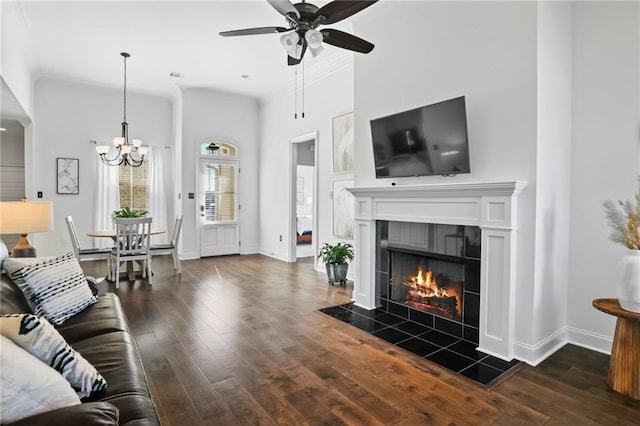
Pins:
x,y
624,364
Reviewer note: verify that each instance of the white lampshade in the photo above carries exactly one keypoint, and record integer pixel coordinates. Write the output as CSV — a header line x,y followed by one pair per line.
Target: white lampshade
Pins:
x,y
125,149
314,38
102,149
24,217
136,143
289,41
143,150
118,141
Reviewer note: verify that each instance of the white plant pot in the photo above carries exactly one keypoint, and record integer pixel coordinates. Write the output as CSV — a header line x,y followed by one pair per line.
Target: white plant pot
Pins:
x,y
628,288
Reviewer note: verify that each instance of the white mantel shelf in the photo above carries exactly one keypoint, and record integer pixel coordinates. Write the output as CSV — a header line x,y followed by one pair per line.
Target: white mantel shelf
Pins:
x,y
443,190
492,206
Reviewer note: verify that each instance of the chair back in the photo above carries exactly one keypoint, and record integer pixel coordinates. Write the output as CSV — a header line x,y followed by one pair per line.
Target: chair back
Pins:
x,y
175,235
73,235
133,236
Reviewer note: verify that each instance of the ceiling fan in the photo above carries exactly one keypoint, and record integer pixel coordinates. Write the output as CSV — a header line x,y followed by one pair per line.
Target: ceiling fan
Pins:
x,y
303,19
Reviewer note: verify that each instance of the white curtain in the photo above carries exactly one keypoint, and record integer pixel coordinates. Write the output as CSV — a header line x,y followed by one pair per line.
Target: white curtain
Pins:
x,y
107,200
157,194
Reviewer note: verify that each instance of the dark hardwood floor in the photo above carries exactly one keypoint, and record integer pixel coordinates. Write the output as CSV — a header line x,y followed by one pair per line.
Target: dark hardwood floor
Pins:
x,y
239,340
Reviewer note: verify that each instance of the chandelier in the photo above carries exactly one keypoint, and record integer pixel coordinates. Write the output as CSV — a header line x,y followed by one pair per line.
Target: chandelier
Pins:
x,y
128,154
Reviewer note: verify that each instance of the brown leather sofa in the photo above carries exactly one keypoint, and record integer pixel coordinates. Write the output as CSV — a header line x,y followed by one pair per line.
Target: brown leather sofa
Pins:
x,y
101,335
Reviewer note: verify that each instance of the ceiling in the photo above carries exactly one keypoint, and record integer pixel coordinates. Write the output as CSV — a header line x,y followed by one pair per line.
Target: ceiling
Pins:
x,y
82,40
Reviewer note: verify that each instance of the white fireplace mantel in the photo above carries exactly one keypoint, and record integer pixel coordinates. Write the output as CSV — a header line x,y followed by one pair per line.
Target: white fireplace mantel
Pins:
x,y
490,205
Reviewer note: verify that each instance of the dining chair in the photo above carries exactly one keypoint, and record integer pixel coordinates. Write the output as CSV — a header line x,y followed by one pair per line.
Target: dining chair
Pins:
x,y
132,244
86,253
171,247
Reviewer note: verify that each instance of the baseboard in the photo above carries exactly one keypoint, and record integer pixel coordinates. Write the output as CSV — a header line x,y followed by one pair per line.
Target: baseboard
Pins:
x,y
280,256
535,354
589,340
249,250
189,256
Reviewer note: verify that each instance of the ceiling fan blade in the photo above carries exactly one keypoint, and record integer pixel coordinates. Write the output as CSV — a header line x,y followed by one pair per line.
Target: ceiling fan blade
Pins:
x,y
254,31
284,7
339,10
346,41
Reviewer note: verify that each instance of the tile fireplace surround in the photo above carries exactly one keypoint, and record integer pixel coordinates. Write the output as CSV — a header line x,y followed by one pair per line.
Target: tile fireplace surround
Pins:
x,y
492,206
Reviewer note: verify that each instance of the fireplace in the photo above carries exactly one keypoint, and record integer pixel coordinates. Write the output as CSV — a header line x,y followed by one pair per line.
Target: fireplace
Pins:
x,y
490,207
430,274
427,284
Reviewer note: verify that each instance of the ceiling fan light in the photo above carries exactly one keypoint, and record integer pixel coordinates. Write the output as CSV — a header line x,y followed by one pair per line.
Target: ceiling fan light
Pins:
x,y
289,41
314,39
315,51
296,52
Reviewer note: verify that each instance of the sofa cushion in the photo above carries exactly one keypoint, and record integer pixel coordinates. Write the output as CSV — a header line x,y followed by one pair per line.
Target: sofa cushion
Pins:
x,y
115,356
11,298
55,288
40,339
90,413
29,386
105,316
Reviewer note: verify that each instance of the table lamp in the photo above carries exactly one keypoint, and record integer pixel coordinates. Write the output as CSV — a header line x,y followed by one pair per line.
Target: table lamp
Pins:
x,y
24,217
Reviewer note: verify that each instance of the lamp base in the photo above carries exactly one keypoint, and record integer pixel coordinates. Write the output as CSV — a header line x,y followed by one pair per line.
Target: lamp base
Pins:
x,y
23,248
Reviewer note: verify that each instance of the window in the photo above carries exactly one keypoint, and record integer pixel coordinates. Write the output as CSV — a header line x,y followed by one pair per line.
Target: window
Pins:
x,y
219,149
219,191
134,186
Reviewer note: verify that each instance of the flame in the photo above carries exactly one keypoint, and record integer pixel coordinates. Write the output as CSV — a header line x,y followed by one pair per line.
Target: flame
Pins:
x,y
424,284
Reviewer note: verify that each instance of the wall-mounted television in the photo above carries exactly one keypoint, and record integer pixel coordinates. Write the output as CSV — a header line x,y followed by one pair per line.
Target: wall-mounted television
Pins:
x,y
431,140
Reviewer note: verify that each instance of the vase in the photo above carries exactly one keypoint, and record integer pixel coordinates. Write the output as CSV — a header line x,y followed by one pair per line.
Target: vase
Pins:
x,y
337,272
628,287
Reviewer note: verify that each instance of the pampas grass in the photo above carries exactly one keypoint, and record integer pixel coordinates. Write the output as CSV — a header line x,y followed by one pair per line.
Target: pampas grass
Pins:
x,y
623,218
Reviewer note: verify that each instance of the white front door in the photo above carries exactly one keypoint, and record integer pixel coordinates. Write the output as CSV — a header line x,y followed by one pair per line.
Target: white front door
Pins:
x,y
218,207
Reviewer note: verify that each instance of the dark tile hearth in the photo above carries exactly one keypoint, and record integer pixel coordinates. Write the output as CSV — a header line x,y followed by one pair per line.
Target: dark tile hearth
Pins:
x,y
446,350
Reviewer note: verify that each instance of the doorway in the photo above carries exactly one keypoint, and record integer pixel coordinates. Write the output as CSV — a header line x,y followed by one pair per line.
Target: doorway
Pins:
x,y
302,200
219,219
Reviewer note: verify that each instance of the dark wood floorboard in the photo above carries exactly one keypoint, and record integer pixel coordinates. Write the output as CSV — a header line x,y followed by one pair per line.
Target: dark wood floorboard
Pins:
x,y
238,340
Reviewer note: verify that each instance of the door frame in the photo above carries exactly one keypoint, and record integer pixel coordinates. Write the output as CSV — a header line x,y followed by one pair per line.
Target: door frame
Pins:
x,y
293,163
199,224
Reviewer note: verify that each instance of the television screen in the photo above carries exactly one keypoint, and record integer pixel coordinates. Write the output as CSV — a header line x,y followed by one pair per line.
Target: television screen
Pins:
x,y
431,140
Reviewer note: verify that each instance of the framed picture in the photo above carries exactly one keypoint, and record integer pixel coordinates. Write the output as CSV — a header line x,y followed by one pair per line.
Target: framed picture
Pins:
x,y
68,175
343,143
344,205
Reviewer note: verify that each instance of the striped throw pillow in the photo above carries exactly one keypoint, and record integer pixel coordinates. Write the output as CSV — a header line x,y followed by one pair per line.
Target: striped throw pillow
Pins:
x,y
56,288
38,337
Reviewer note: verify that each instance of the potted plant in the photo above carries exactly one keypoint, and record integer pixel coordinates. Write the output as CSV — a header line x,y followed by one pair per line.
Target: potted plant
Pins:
x,y
623,218
127,212
336,259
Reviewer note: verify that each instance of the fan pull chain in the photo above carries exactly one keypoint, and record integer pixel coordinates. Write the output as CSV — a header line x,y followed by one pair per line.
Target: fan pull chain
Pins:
x,y
295,94
303,88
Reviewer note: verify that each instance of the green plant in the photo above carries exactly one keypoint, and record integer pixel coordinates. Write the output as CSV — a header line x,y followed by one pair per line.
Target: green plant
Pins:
x,y
127,212
336,254
624,219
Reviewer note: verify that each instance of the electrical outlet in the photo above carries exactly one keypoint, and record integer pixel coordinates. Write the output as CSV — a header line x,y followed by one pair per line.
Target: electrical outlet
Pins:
x,y
39,194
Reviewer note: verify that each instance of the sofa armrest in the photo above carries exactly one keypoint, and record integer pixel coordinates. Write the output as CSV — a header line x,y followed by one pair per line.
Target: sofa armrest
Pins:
x,y
90,413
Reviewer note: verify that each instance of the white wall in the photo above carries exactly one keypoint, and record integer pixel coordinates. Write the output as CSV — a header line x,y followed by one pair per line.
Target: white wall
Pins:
x,y
605,153
67,116
486,51
327,98
17,58
211,115
547,299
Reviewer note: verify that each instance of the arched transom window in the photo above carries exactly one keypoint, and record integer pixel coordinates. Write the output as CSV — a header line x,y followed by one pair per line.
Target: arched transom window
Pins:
x,y
219,149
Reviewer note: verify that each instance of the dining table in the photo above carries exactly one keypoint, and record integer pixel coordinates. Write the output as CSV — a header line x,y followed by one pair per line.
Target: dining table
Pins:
x,y
112,233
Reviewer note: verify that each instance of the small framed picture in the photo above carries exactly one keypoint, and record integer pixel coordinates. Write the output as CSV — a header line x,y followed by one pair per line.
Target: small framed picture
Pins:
x,y
68,175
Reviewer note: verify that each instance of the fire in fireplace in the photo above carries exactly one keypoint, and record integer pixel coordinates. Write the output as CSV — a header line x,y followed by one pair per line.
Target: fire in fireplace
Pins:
x,y
428,284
